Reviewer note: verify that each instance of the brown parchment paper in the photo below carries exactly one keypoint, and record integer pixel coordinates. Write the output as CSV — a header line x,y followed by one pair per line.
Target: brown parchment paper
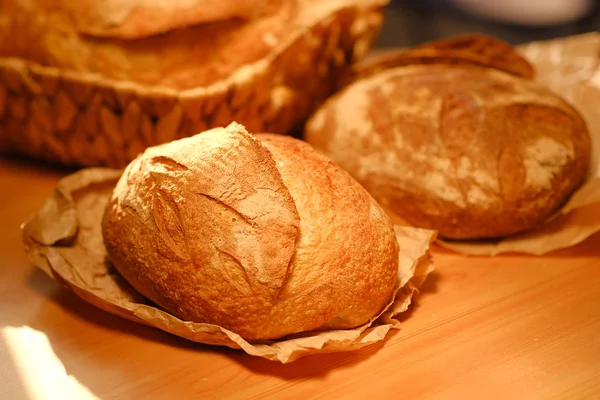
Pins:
x,y
64,239
570,67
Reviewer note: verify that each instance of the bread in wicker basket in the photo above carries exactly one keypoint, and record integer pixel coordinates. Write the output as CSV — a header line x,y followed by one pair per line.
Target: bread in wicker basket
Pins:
x,y
94,83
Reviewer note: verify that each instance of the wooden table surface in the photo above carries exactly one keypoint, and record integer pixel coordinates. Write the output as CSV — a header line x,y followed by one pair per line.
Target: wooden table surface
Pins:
x,y
510,327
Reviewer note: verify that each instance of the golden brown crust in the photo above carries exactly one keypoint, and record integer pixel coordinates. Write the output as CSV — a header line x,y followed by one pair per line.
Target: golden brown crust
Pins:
x,y
141,18
346,255
192,44
206,219
218,228
137,19
184,50
470,151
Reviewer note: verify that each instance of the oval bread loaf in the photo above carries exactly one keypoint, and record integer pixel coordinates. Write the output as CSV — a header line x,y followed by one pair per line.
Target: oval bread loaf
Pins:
x,y
177,44
261,235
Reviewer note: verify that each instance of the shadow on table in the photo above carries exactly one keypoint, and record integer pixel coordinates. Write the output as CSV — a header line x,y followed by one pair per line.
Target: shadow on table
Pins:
x,y
430,286
320,365
590,247
314,366
73,304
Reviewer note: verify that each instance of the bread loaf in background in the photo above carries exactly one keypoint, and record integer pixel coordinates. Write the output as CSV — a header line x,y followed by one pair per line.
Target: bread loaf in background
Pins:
x,y
469,150
93,83
178,44
261,235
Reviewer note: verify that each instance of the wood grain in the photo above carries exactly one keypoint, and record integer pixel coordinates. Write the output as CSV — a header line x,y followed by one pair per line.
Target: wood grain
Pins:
x,y
505,327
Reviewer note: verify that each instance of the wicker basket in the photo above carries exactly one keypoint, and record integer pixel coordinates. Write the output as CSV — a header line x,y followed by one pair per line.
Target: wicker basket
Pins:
x,y
85,120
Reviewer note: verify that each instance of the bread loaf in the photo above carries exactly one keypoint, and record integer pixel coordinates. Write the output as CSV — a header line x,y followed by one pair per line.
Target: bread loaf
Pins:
x,y
469,150
93,83
261,235
178,44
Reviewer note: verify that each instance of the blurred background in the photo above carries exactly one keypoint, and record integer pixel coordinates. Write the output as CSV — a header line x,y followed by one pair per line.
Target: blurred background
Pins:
x,y
409,22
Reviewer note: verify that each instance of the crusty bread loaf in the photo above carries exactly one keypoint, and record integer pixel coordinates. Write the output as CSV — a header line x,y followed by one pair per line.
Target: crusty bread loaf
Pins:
x,y
469,150
178,44
263,237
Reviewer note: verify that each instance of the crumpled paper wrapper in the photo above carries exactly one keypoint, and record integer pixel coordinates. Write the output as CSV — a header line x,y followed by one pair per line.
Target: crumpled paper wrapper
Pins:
x,y
570,67
64,239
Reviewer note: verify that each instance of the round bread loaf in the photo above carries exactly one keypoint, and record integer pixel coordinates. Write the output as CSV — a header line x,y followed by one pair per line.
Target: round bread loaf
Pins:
x,y
263,237
470,151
